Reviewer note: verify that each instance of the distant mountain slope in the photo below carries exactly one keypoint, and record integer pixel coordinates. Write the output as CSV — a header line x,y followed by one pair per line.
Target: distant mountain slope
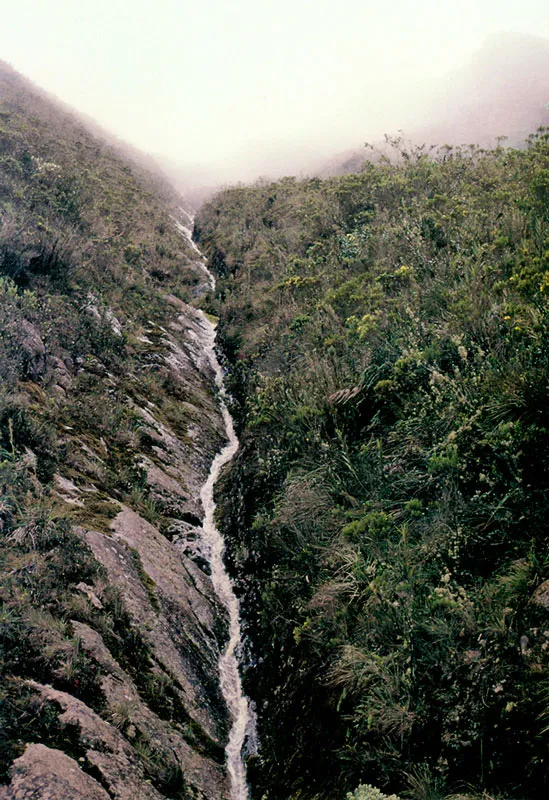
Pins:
x,y
503,91
109,633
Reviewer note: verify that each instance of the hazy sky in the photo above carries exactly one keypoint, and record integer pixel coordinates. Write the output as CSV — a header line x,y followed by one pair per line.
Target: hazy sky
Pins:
x,y
212,80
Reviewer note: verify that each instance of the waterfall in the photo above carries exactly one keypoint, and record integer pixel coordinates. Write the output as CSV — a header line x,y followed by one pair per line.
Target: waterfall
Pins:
x,y
187,232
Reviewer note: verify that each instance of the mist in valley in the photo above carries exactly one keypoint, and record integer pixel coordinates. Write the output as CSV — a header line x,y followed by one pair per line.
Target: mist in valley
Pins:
x,y
218,93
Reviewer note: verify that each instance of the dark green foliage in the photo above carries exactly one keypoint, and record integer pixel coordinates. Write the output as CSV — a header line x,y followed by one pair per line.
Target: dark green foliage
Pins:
x,y
389,334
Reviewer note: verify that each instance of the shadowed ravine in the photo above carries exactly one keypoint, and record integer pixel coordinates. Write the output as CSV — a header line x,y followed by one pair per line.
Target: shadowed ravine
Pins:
x,y
213,549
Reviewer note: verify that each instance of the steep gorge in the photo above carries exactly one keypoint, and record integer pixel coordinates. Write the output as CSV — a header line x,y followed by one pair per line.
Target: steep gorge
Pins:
x,y
386,510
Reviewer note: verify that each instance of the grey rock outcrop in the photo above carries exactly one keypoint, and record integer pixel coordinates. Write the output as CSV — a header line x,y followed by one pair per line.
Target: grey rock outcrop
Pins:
x,y
44,773
160,733
32,348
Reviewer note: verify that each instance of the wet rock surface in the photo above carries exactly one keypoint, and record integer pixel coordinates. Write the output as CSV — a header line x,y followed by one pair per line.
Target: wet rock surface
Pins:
x,y
174,609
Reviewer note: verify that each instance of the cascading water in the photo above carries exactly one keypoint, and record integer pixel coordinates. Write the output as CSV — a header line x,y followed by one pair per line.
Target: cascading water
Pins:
x,y
187,232
214,546
231,686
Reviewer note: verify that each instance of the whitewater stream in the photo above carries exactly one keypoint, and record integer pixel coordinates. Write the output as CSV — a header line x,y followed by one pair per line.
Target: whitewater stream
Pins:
x,y
213,550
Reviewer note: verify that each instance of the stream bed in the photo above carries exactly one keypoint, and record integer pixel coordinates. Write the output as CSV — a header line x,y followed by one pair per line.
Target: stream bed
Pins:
x,y
213,547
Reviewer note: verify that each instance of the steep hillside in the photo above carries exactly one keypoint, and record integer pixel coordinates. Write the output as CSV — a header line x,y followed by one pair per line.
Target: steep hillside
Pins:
x,y
109,629
388,334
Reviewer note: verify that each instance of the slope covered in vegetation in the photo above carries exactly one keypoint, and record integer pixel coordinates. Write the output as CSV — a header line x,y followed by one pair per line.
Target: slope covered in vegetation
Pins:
x,y
109,636
388,336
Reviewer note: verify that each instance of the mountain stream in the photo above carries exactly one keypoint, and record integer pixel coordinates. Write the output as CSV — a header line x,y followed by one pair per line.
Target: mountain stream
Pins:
x,y
213,546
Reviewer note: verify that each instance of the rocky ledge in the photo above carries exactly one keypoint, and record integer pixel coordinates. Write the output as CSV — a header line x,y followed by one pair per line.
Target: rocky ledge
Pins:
x,y
129,704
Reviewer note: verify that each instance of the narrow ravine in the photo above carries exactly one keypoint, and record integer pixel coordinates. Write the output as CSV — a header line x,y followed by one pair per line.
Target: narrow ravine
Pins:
x,y
213,550
187,232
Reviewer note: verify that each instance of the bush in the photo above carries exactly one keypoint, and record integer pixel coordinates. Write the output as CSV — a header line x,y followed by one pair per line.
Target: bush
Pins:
x,y
367,792
387,335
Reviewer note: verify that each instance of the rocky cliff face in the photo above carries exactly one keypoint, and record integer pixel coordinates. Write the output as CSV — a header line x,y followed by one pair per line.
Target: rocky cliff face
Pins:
x,y
110,632
158,722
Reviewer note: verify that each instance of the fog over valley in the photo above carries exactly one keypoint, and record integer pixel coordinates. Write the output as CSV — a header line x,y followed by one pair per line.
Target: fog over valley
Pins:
x,y
221,92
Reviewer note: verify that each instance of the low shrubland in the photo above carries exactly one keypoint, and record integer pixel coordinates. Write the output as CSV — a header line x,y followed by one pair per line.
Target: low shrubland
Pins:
x,y
387,334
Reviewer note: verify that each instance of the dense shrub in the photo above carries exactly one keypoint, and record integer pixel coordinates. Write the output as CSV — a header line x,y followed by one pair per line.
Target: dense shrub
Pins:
x,y
388,337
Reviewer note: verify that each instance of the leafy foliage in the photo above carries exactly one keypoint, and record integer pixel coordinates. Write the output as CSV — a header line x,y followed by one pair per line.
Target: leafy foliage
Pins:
x,y
388,338
367,792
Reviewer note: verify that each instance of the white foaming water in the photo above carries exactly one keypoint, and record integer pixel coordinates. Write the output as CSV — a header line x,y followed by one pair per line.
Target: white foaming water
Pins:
x,y
242,718
187,232
231,685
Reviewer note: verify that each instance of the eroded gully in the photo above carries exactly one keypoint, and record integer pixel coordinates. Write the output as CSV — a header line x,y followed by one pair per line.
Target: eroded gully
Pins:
x,y
242,722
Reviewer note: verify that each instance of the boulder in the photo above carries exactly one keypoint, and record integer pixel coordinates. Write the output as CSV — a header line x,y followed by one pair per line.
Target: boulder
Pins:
x,y
43,773
33,349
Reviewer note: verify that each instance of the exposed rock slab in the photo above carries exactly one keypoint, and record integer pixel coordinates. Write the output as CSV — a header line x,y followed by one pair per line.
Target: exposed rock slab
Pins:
x,y
130,713
105,748
176,613
43,773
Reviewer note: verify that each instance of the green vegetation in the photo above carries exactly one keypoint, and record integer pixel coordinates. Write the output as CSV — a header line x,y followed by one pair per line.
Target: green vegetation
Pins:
x,y
367,792
388,334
